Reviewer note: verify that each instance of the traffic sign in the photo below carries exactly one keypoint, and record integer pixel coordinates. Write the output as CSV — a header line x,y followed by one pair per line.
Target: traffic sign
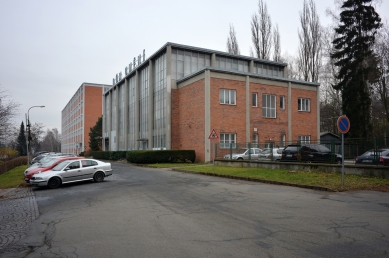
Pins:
x,y
213,135
343,124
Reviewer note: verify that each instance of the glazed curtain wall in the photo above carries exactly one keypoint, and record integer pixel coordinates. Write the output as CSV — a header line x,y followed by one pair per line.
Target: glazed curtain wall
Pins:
x,y
159,95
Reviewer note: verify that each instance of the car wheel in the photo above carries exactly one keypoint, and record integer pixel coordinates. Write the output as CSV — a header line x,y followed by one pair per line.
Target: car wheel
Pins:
x,y
99,177
338,161
54,182
240,158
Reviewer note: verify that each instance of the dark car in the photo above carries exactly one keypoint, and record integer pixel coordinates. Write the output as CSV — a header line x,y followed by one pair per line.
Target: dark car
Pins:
x,y
309,153
374,157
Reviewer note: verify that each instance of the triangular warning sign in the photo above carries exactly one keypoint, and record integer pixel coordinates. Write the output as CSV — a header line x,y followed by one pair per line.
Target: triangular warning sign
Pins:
x,y
213,135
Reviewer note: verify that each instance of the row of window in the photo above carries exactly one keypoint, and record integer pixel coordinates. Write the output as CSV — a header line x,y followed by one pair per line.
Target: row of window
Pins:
x,y
228,97
229,140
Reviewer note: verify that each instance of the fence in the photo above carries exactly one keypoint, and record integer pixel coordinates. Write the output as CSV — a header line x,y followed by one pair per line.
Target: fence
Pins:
x,y
261,150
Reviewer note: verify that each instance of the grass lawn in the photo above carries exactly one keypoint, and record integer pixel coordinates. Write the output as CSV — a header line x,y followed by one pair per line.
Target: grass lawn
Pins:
x,y
321,179
13,178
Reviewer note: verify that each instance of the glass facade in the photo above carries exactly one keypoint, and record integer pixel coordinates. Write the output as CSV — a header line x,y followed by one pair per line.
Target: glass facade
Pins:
x,y
232,64
185,62
131,141
143,105
121,118
159,95
268,70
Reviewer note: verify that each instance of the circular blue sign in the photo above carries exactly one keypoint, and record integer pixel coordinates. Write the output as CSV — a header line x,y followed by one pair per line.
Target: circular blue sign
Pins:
x,y
343,124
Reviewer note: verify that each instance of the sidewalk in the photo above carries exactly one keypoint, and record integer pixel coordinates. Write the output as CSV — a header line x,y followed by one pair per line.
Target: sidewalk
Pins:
x,y
18,208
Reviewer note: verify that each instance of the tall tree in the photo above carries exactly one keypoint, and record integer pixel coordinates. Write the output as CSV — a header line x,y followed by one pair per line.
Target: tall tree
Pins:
x,y
8,110
232,42
94,134
261,33
51,141
22,141
310,46
276,44
353,44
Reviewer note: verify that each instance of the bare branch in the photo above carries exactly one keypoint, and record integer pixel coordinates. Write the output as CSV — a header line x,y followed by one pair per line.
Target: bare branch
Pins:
x,y
232,42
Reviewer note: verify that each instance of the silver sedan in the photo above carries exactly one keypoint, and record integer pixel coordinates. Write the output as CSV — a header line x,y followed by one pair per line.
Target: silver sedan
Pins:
x,y
71,171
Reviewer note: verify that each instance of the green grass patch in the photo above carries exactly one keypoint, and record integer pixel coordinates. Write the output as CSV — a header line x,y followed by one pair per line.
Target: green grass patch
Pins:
x,y
321,179
13,178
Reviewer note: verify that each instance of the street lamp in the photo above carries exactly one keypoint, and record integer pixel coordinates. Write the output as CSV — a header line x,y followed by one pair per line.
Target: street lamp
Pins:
x,y
29,133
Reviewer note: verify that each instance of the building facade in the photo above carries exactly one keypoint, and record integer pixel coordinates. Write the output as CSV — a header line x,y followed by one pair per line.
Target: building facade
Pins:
x,y
79,115
175,98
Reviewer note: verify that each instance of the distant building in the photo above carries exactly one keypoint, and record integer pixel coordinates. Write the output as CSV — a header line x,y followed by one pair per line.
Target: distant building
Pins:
x,y
179,94
79,115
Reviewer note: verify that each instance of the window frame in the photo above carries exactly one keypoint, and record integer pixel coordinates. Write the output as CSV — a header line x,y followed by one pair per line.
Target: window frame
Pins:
x,y
231,97
225,144
254,103
304,107
282,102
268,109
303,139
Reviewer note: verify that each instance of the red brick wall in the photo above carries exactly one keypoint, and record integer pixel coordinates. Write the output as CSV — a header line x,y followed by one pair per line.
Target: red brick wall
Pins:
x,y
188,113
93,110
304,123
269,129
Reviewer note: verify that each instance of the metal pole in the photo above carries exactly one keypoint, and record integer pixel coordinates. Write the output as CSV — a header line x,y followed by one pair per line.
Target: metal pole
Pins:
x,y
342,159
28,133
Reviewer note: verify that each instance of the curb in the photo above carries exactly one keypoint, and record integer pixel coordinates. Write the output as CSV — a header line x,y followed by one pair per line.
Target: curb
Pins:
x,y
312,187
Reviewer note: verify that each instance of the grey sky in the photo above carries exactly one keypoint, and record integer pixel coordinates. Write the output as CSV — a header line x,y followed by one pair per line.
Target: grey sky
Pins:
x,y
49,48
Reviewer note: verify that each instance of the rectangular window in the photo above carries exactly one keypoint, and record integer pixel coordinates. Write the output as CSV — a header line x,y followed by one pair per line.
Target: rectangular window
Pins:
x,y
282,102
283,140
304,105
255,100
268,106
255,141
227,140
304,139
227,97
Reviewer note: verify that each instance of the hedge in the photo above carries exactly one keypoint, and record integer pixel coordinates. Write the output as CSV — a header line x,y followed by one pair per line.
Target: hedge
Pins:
x,y
11,164
109,155
160,156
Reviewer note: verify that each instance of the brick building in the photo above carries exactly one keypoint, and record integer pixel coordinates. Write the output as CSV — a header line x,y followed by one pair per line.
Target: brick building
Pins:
x,y
177,96
79,115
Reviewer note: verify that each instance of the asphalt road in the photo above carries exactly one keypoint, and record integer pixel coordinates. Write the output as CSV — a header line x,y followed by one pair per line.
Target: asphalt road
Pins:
x,y
144,212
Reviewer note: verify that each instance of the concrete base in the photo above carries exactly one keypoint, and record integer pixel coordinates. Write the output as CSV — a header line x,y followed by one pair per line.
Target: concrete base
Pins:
x,y
369,171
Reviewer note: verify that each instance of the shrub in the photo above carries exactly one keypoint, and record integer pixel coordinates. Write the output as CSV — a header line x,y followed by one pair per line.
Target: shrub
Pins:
x,y
13,163
7,153
81,154
161,156
109,155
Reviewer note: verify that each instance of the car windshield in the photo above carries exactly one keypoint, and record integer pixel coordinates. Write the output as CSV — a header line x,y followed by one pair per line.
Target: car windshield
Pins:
x,y
61,165
241,151
266,151
49,163
291,148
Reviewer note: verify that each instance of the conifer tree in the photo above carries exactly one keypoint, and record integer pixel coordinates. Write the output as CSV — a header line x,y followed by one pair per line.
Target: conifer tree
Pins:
x,y
96,131
22,142
353,44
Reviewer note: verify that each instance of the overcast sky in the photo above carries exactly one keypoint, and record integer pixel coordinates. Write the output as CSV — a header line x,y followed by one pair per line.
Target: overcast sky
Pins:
x,y
48,48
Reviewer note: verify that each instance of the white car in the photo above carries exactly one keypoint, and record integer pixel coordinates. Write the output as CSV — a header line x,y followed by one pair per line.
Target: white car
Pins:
x,y
73,171
271,154
244,154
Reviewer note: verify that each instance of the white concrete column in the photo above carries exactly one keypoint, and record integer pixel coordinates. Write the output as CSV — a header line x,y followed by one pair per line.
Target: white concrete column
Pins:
x,y
125,113
168,129
137,88
213,60
248,127
290,137
207,116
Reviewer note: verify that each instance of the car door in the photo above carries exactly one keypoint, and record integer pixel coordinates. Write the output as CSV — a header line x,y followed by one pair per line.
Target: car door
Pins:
x,y
88,168
72,172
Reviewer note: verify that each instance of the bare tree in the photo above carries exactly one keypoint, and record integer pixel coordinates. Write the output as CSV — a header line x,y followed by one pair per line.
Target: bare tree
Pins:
x,y
291,71
51,141
232,42
261,32
276,44
310,47
8,111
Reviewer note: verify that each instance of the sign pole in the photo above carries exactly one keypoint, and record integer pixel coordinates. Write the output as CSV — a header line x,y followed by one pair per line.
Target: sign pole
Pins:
x,y
342,159
343,124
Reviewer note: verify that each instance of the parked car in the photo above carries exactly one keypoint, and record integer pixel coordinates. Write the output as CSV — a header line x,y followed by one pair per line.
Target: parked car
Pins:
x,y
28,174
273,154
371,157
309,153
244,154
37,159
70,171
